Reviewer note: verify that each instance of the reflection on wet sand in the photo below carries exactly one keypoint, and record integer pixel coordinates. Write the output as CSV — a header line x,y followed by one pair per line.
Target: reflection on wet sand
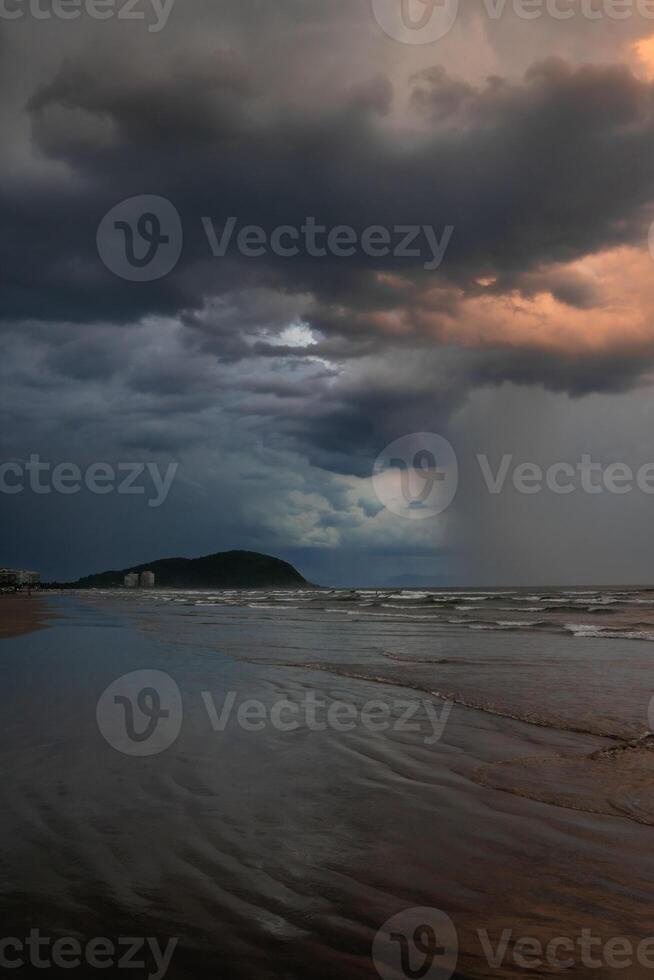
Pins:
x,y
20,613
279,854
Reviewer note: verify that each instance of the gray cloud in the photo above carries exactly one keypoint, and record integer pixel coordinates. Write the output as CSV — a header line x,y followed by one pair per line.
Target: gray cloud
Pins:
x,y
275,382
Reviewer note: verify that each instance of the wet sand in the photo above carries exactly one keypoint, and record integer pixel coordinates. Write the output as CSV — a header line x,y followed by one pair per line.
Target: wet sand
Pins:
x,y
21,614
281,853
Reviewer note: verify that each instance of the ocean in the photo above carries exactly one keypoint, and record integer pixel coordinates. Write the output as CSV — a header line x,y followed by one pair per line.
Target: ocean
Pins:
x,y
282,784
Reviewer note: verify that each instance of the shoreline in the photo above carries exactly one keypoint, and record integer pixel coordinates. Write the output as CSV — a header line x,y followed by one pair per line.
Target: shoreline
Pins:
x,y
21,614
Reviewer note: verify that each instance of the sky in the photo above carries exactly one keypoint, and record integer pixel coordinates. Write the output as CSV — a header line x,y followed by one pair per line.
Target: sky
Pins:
x,y
268,249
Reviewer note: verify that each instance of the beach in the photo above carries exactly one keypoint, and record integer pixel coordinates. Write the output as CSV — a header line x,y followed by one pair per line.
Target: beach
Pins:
x,y
323,763
21,613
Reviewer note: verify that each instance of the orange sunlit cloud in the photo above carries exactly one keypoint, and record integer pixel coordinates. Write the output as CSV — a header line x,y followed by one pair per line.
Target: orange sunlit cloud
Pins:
x,y
622,315
619,317
644,52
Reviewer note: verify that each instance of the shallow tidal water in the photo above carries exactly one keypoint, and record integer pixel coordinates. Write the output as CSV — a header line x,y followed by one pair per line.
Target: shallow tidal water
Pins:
x,y
281,853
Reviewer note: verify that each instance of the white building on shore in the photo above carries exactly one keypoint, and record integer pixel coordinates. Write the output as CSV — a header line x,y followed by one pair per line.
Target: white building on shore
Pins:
x,y
16,578
133,580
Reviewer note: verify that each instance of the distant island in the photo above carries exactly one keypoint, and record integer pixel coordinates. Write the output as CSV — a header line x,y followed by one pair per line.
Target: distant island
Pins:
x,y
224,570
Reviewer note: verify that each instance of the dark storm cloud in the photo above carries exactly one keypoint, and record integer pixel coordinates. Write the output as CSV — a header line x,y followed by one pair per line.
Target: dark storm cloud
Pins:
x,y
276,382
528,174
521,171
592,373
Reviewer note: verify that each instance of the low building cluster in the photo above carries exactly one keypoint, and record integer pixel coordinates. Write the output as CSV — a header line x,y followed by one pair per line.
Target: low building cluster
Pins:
x,y
145,580
17,578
